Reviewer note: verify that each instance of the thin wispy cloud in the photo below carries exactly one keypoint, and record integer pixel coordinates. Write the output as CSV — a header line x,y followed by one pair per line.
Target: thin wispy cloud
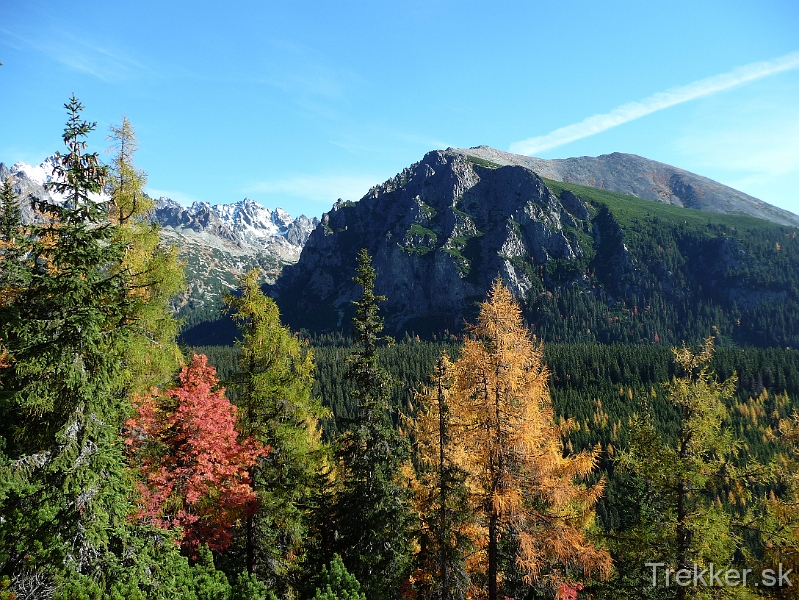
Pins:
x,y
428,143
360,138
768,148
759,156
303,71
635,110
318,188
315,81
105,63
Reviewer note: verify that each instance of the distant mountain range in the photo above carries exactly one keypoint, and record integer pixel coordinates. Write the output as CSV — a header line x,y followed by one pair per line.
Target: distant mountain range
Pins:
x,y
217,243
245,224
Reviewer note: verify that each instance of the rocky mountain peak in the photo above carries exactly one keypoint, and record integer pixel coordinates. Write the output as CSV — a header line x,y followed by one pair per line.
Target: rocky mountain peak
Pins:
x,y
40,174
30,180
442,229
246,223
439,232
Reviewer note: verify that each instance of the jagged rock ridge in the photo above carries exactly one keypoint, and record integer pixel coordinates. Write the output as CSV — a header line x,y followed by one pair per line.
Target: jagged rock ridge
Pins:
x,y
246,224
439,232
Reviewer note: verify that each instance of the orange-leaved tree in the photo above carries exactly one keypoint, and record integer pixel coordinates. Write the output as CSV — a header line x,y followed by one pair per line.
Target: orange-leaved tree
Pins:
x,y
526,492
194,468
448,534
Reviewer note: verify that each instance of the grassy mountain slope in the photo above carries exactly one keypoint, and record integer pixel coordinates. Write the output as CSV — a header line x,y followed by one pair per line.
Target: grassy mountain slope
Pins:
x,y
643,178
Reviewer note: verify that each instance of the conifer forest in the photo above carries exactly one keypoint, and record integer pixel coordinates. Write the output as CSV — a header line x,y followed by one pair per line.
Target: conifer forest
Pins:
x,y
513,460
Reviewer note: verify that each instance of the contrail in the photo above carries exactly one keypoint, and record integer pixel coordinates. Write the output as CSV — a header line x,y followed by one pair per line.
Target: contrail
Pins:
x,y
636,110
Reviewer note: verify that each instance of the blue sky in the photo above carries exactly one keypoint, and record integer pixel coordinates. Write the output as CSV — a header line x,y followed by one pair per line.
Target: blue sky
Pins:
x,y
296,104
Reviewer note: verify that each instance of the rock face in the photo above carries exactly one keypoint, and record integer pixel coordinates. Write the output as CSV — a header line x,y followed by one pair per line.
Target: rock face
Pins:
x,y
439,233
637,176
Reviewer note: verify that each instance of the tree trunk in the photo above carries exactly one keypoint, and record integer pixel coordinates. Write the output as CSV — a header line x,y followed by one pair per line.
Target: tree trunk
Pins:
x,y
496,473
682,537
443,530
250,541
492,557
682,506
250,544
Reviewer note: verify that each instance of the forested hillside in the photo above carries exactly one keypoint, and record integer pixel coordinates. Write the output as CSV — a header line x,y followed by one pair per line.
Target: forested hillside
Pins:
x,y
661,274
600,386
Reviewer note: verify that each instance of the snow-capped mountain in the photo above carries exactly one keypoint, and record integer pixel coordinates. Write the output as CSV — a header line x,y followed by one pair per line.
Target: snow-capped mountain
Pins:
x,y
244,227
247,224
41,174
217,243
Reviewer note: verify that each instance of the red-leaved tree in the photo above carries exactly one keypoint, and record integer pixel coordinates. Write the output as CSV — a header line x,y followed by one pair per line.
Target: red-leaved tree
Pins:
x,y
194,469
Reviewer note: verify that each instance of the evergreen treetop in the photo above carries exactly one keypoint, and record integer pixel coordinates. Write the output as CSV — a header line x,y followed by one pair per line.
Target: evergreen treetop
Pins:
x,y
66,336
372,508
13,271
337,583
10,212
77,175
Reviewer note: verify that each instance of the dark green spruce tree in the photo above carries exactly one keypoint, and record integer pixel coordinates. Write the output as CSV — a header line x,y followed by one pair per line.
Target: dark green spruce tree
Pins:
x,y
69,490
13,273
13,277
337,584
10,212
373,506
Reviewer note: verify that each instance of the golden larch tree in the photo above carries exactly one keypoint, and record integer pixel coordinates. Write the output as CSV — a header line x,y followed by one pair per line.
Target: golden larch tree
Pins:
x,y
448,533
151,268
526,492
